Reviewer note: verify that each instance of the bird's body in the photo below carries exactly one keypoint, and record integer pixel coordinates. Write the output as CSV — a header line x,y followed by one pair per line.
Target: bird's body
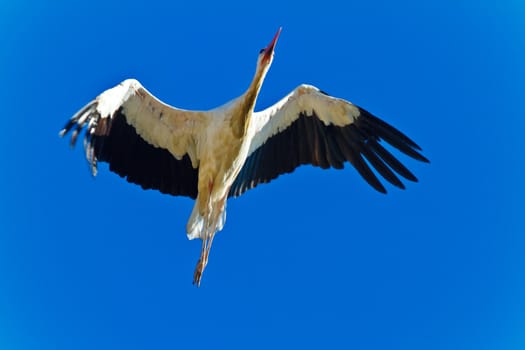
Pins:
x,y
216,154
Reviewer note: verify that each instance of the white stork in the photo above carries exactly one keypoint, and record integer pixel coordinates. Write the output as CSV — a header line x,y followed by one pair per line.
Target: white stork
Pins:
x,y
213,155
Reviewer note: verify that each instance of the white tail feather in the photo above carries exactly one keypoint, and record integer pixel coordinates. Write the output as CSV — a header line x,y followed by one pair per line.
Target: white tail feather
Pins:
x,y
196,227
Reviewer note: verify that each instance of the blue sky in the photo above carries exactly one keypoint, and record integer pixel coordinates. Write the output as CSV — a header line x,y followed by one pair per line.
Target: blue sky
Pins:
x,y
315,259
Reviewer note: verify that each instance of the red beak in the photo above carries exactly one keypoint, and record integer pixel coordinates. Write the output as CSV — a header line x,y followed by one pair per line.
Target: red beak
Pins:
x,y
269,49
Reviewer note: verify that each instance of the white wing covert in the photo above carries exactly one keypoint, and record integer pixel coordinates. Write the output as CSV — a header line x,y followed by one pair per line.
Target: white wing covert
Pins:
x,y
143,139
310,127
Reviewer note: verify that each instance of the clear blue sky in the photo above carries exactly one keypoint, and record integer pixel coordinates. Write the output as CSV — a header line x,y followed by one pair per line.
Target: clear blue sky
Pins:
x,y
316,259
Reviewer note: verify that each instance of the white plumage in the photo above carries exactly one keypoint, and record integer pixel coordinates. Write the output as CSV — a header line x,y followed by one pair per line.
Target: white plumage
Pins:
x,y
216,154
305,99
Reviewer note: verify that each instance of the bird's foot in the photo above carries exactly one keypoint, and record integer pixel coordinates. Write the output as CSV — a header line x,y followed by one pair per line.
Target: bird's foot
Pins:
x,y
203,260
199,269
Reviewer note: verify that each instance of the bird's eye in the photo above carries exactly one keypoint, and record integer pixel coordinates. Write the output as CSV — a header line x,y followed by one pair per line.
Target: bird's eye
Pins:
x,y
262,50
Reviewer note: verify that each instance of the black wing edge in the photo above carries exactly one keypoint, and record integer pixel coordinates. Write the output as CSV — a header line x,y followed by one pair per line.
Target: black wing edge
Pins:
x,y
309,141
116,142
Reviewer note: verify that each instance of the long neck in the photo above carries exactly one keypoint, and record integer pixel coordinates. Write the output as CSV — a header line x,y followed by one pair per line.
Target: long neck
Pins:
x,y
243,112
250,96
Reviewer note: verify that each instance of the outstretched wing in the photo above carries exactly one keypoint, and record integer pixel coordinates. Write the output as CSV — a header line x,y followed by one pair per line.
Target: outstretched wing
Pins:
x,y
143,140
310,127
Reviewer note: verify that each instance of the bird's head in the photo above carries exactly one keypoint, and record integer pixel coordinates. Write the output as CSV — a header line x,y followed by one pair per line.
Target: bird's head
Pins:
x,y
266,55
264,60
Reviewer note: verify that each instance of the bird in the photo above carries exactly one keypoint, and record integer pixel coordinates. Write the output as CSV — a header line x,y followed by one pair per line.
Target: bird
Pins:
x,y
213,155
